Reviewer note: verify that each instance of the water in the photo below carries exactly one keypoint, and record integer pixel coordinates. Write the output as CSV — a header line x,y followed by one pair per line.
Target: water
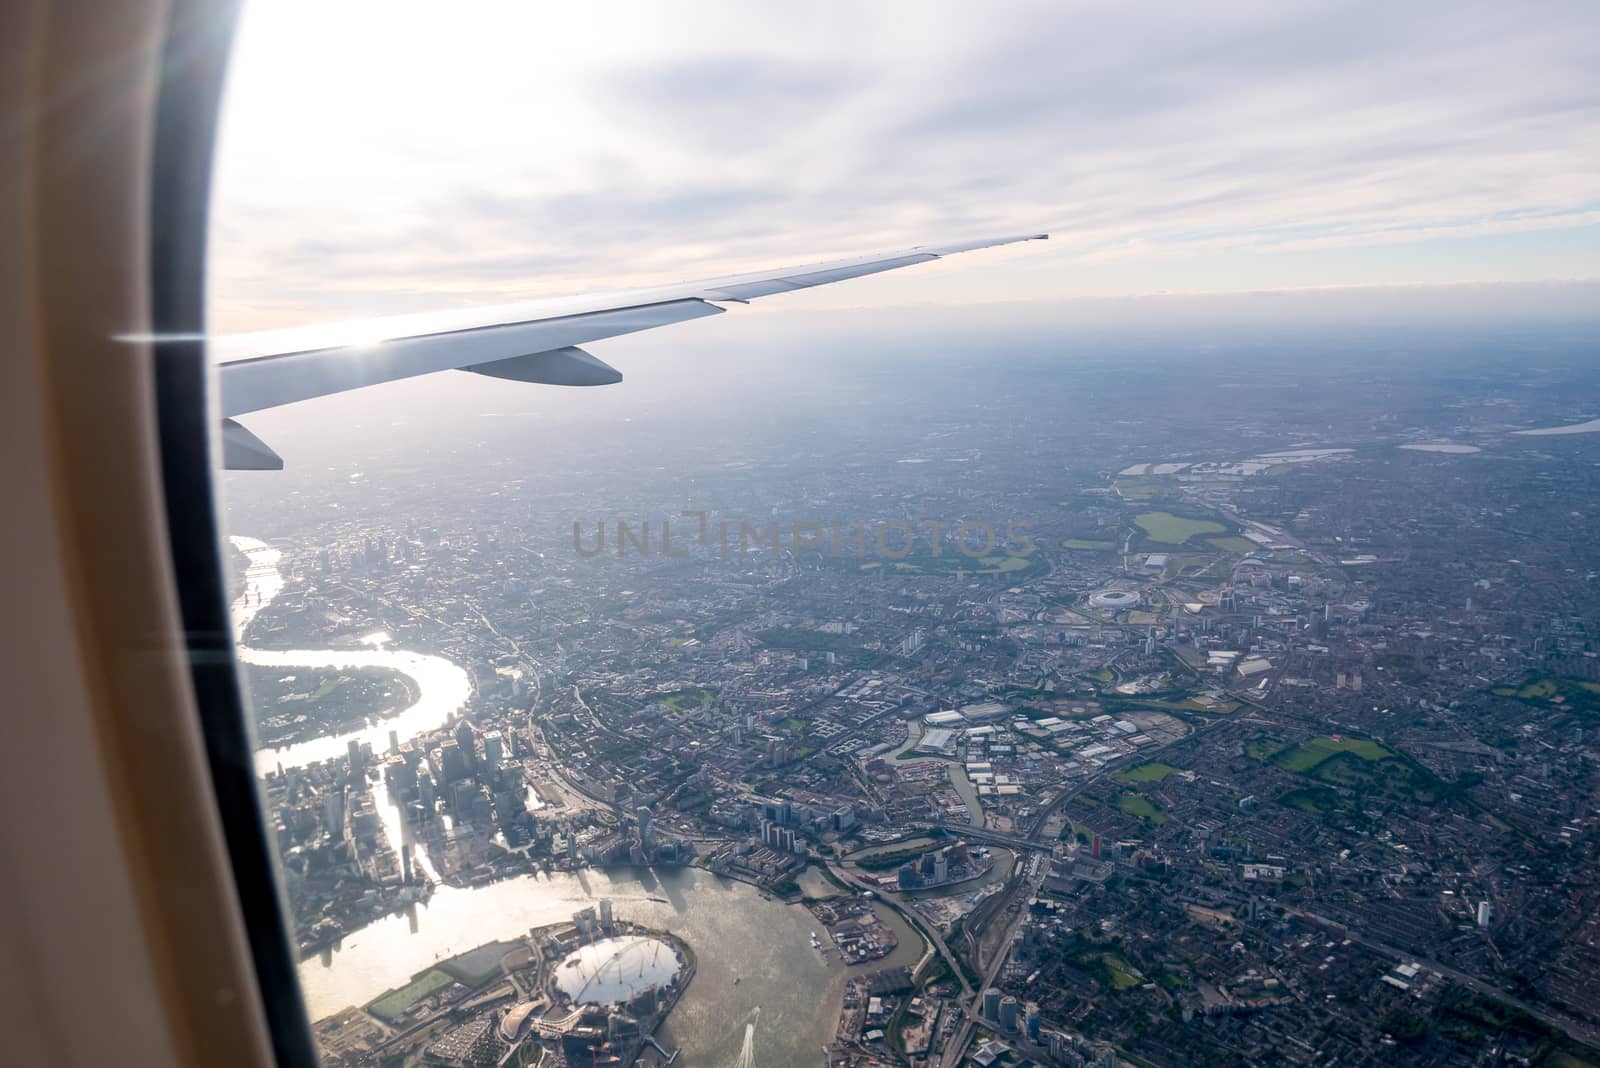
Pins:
x,y
735,933
751,951
443,686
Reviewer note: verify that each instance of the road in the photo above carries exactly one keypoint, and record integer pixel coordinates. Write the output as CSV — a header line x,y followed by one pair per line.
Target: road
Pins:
x,y
927,930
570,787
1015,841
1579,1030
956,1047
516,649
1028,884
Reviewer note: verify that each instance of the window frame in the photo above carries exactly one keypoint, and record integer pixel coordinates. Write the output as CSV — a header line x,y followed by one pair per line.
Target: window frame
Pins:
x,y
195,46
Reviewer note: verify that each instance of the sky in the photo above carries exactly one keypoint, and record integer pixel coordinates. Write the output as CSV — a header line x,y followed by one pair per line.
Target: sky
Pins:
x,y
383,158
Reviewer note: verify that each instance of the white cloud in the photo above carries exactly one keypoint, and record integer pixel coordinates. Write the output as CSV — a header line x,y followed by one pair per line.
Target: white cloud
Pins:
x,y
376,158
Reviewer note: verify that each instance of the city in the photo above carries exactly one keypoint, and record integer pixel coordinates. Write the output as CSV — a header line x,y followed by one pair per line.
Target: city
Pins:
x,y
1050,534
1210,716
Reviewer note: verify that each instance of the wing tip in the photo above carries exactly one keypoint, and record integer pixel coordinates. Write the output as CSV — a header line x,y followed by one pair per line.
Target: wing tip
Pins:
x,y
982,243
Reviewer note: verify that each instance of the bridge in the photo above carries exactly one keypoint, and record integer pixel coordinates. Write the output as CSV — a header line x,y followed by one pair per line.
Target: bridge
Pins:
x,y
1016,841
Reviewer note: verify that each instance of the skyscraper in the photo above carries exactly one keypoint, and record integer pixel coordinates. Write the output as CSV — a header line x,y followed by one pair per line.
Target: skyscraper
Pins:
x,y
465,737
453,763
647,831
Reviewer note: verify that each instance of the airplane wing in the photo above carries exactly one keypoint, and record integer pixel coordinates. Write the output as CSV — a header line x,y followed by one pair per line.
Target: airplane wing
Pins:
x,y
531,341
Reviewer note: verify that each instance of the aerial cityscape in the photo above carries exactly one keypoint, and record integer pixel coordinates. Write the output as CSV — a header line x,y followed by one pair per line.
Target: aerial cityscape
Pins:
x,y
1087,697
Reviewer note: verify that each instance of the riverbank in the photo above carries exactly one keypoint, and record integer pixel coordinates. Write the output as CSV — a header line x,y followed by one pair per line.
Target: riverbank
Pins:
x,y
751,951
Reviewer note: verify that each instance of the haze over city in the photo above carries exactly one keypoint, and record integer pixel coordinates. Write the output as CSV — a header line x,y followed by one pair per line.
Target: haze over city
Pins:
x,y
1172,643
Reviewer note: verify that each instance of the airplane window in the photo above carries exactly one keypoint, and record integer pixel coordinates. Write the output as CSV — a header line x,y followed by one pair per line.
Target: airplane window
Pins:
x,y
1169,643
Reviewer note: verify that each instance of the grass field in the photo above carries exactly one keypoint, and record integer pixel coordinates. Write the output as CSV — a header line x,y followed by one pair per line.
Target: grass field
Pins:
x,y
1138,489
1188,704
1153,772
1135,805
477,966
1231,544
1575,695
1308,755
920,843
887,858
1170,529
687,699
1122,976
396,1003
1360,767
1264,749
941,556
1541,689
1088,545
804,641
1316,800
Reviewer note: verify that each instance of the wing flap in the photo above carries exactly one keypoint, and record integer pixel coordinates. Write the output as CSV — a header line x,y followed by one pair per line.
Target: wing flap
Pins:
x,y
746,291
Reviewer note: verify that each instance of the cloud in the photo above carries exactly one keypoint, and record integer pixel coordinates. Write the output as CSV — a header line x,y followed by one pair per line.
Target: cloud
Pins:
x,y
410,154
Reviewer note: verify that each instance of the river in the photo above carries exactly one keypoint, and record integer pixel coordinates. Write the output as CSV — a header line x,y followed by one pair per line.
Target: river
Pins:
x,y
735,931
752,951
443,687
